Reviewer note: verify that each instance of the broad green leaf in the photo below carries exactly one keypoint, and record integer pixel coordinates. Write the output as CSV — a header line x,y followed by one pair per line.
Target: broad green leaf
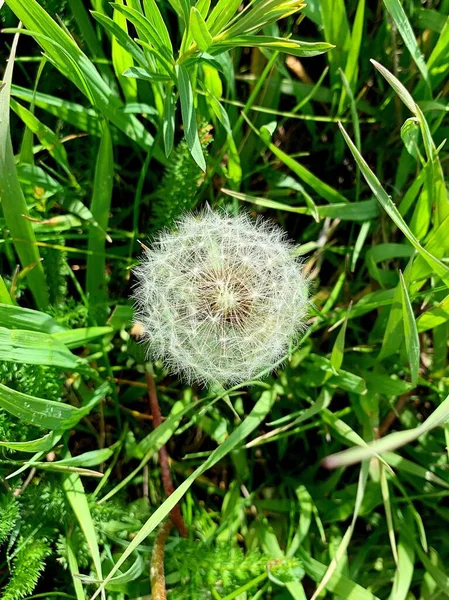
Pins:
x,y
122,59
221,14
42,413
199,30
87,459
148,29
121,37
72,113
5,297
43,444
410,136
16,317
153,14
140,73
189,117
37,348
47,413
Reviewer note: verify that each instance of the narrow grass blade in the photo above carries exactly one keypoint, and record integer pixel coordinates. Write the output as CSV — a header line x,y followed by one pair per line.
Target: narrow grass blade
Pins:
x,y
439,417
410,332
74,569
406,563
96,285
77,499
434,317
397,12
75,338
74,64
385,201
344,544
388,511
320,187
259,412
351,67
358,211
13,203
123,60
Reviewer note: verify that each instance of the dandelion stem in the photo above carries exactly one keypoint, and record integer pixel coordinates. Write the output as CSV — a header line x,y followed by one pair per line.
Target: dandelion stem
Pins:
x,y
157,573
167,481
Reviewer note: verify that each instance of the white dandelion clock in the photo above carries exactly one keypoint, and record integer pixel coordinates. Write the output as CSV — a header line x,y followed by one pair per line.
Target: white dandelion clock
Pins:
x,y
220,298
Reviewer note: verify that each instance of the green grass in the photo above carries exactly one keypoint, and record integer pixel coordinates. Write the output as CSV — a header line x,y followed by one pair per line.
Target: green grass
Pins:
x,y
326,479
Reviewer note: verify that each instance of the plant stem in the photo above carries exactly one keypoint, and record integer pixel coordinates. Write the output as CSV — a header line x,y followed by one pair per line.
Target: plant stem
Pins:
x,y
167,481
157,573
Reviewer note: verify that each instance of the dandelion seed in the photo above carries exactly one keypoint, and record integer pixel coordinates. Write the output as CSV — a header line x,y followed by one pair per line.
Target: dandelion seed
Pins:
x,y
220,298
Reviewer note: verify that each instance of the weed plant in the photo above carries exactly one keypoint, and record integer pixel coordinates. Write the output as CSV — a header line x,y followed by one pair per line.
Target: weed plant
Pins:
x,y
325,478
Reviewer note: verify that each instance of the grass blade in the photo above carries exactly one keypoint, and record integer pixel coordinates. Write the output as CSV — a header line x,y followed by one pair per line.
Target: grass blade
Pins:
x,y
256,416
96,285
401,21
385,201
410,332
12,199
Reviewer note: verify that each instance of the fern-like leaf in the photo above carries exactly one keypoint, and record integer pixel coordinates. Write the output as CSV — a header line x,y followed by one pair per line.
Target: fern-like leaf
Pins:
x,y
28,564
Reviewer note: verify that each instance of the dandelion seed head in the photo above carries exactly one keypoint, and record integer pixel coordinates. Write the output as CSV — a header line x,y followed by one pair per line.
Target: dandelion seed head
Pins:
x,y
220,297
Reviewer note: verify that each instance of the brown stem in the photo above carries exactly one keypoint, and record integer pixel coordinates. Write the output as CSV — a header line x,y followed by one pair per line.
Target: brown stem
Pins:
x,y
393,414
157,574
167,481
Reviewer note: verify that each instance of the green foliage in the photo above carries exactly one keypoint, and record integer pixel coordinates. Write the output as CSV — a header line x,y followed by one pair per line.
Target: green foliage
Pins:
x,y
90,166
201,567
56,269
9,514
179,190
28,564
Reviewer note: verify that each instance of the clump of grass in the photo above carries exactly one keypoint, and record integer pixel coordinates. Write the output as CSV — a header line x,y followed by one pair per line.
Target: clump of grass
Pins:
x,y
328,476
